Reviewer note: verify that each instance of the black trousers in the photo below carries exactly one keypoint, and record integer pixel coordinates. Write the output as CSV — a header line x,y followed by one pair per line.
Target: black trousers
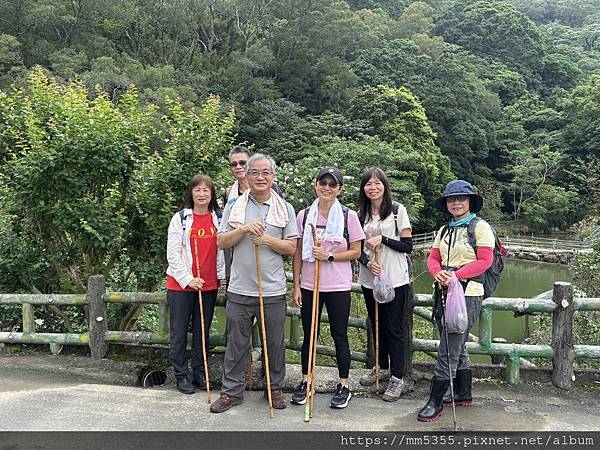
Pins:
x,y
183,307
391,336
338,310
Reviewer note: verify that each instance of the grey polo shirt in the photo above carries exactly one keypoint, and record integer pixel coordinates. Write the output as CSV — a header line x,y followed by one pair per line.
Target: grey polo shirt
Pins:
x,y
243,279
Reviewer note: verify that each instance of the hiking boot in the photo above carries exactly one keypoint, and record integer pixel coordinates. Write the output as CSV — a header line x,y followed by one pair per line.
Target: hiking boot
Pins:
x,y
369,378
184,386
434,406
341,397
277,398
198,380
225,402
394,389
462,389
299,395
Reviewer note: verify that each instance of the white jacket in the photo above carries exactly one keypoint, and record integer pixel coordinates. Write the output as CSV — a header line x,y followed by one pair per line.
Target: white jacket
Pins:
x,y
179,251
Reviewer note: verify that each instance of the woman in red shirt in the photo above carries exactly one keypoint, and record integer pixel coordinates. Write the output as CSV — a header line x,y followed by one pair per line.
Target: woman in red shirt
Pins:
x,y
195,264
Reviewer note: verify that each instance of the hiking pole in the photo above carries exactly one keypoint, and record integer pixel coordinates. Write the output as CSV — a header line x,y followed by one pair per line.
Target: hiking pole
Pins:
x,y
312,343
263,329
203,341
377,373
444,294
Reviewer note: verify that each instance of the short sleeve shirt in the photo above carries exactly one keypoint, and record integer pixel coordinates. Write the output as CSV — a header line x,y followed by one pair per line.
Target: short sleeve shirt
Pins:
x,y
333,276
394,263
461,252
243,280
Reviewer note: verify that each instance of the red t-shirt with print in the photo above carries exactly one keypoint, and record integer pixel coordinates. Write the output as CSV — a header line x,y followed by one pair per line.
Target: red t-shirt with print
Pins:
x,y
203,237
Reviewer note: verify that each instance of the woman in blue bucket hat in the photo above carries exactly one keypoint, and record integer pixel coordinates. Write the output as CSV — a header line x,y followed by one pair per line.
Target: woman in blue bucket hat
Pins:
x,y
452,253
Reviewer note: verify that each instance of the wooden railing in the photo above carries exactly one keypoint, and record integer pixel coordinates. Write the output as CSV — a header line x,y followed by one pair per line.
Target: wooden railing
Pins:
x,y
562,306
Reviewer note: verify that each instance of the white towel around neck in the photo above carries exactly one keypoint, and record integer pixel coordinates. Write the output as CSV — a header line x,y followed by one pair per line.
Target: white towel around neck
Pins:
x,y
334,229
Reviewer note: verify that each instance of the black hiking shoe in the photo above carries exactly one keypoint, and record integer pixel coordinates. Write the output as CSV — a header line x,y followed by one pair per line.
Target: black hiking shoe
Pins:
x,y
299,395
198,380
341,397
184,386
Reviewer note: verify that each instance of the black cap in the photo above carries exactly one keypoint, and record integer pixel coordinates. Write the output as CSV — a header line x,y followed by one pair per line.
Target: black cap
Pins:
x,y
335,173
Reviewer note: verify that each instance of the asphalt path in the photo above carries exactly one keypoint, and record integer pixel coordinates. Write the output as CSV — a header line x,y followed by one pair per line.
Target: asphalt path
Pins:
x,y
37,401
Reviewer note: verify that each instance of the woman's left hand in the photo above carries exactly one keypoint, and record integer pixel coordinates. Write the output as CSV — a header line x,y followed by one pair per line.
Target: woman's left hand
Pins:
x,y
319,253
373,242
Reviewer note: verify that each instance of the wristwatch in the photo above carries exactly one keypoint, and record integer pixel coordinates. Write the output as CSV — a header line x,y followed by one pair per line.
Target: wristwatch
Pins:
x,y
330,257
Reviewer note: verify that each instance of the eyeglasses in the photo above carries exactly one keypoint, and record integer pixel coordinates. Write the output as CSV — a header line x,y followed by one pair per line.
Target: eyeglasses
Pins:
x,y
456,198
241,163
331,184
262,173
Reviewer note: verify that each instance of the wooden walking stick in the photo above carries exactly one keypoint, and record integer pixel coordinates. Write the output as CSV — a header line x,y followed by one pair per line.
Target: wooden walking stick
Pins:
x,y
312,345
377,373
203,342
263,328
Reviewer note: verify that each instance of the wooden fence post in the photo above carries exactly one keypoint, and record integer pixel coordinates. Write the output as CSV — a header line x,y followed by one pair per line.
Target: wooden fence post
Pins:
x,y
562,335
98,323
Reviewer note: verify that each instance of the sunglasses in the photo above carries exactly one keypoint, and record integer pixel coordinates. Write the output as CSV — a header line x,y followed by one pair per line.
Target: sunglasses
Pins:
x,y
241,163
331,184
456,198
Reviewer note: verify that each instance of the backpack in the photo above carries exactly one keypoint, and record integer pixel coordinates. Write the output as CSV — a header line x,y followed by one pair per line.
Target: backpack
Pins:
x,y
490,278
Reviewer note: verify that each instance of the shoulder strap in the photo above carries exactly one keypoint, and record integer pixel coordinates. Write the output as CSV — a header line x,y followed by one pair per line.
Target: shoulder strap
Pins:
x,y
346,235
471,232
443,231
305,217
395,208
182,218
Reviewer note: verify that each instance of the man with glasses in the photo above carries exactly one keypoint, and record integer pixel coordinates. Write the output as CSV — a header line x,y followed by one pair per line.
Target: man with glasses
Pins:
x,y
238,157
260,218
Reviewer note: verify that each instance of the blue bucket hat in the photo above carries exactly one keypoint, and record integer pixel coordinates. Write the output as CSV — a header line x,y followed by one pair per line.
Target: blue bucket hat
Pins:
x,y
459,187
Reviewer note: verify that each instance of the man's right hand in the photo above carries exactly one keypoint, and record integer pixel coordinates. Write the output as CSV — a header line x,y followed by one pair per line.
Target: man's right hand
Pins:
x,y
256,228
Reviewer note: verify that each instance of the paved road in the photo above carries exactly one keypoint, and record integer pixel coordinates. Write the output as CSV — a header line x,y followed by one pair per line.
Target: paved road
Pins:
x,y
34,401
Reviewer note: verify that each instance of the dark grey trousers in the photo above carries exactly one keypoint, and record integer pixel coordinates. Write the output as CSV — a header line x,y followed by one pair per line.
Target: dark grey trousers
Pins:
x,y
459,357
240,318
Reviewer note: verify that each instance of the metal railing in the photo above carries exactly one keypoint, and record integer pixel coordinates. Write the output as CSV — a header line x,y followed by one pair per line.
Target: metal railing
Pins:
x,y
425,240
562,306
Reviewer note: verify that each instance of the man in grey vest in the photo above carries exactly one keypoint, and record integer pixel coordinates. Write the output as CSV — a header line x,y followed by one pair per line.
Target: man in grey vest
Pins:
x,y
258,217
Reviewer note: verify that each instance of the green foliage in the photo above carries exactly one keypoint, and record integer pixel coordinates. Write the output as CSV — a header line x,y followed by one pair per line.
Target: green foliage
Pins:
x,y
496,29
86,180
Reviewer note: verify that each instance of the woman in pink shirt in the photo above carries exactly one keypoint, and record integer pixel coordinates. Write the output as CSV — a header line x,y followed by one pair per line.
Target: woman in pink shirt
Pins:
x,y
340,234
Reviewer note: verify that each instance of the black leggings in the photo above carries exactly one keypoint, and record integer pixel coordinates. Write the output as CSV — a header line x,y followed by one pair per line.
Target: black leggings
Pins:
x,y
338,309
391,321
183,306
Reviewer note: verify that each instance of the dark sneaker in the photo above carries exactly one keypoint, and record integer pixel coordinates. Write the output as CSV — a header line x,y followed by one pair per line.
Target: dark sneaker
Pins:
x,y
341,397
225,402
198,380
277,398
299,395
369,378
184,386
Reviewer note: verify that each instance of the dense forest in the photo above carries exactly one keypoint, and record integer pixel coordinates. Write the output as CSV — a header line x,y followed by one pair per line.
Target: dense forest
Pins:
x,y
108,107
